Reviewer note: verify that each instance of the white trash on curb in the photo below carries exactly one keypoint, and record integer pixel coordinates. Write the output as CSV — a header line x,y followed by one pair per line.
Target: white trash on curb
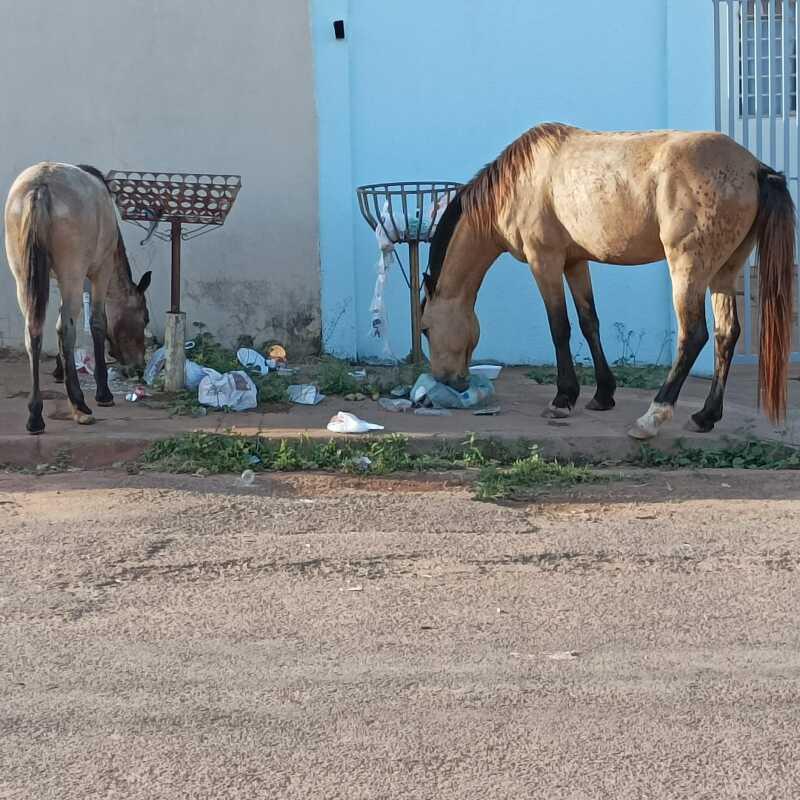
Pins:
x,y
192,371
252,359
248,478
305,394
344,422
234,390
397,405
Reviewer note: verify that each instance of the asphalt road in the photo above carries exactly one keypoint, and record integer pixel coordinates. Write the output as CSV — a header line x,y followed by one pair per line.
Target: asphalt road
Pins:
x,y
325,637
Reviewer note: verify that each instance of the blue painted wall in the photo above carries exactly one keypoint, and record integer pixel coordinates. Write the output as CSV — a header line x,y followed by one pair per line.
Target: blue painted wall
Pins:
x,y
437,90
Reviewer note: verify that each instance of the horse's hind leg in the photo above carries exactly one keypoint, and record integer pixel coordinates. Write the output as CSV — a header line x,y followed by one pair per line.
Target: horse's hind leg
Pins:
x,y
33,344
580,285
549,275
689,284
70,309
726,330
58,372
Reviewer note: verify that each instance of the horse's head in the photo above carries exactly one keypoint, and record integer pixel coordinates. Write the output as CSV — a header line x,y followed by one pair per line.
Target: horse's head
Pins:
x,y
452,330
127,317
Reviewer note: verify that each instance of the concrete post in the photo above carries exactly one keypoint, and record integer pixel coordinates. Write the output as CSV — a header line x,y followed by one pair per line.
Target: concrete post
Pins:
x,y
174,339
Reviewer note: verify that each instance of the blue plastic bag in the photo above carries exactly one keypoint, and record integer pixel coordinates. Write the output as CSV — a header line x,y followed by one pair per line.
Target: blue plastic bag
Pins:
x,y
479,391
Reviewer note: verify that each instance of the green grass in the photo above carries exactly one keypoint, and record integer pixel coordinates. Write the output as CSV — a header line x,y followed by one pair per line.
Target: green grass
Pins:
x,y
507,470
526,475
630,376
333,377
751,454
208,352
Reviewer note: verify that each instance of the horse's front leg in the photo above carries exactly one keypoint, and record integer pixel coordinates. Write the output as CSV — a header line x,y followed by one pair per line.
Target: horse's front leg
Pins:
x,y
549,275
33,344
688,297
103,394
70,308
580,285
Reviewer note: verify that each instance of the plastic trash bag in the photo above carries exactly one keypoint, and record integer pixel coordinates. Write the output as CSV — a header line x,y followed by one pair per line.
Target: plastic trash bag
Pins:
x,y
344,422
429,391
379,327
305,394
252,359
155,365
233,390
389,232
437,210
192,371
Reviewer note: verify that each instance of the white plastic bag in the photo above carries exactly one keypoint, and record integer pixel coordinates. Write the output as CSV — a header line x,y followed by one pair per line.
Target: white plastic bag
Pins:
x,y
155,365
305,394
389,232
436,212
344,422
233,390
377,309
193,372
252,359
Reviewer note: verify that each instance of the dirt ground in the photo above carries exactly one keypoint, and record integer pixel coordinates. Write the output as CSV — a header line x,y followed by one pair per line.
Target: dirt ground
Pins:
x,y
340,637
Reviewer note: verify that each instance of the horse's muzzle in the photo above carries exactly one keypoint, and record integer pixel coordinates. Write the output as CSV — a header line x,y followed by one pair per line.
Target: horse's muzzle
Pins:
x,y
457,382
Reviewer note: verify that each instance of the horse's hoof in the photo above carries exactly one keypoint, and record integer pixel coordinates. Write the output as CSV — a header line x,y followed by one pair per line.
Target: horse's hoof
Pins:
x,y
600,405
104,403
83,419
35,431
641,434
699,427
553,412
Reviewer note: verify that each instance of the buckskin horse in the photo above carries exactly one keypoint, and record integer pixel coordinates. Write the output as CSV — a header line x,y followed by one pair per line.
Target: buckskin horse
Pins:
x,y
559,197
60,219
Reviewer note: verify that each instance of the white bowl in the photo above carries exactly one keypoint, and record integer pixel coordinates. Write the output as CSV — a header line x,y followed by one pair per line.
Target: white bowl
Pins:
x,y
490,371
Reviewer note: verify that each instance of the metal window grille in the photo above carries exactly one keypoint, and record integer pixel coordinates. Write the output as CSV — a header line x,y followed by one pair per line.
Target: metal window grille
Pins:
x,y
756,78
747,58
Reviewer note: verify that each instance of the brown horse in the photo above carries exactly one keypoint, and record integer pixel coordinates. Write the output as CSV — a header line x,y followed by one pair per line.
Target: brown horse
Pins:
x,y
60,220
559,197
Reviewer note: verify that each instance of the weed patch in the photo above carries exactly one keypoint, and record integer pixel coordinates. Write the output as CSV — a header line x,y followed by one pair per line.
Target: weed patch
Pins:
x,y
507,470
526,475
630,376
751,454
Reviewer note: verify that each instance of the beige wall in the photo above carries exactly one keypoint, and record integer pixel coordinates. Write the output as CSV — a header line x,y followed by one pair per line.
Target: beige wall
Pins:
x,y
183,85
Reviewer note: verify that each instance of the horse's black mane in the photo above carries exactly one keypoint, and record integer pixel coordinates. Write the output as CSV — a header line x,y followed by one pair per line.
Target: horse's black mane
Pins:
x,y
96,172
123,254
441,240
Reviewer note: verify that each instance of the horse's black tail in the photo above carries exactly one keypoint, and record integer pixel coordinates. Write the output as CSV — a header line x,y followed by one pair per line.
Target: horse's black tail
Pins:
x,y
35,240
776,232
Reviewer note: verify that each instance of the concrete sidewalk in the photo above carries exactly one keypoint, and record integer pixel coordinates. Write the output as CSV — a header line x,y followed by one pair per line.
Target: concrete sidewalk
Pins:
x,y
123,432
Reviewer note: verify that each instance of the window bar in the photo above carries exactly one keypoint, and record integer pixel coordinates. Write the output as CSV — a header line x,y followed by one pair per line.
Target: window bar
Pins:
x,y
797,143
785,78
759,78
732,94
771,74
744,50
717,67
743,17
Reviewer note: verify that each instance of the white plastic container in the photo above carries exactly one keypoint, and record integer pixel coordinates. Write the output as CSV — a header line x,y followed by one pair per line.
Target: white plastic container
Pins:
x,y
490,371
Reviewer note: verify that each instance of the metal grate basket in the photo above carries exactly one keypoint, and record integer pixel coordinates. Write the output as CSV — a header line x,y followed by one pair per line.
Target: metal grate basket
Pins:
x,y
192,199
406,211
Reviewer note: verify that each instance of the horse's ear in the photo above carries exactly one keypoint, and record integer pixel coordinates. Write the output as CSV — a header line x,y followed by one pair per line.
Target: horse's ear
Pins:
x,y
145,281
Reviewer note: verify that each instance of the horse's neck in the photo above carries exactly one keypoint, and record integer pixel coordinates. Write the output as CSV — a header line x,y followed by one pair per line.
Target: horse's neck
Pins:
x,y
469,256
121,285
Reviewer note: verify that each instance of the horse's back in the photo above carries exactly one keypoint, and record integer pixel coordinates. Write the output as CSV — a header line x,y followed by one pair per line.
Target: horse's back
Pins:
x,y
623,197
82,221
